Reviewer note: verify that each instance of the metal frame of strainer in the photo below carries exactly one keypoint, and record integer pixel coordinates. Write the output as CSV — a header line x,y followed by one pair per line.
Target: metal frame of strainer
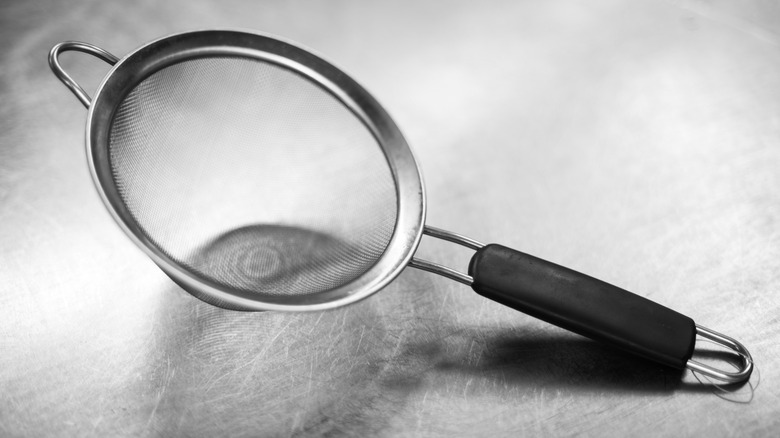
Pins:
x,y
161,53
410,223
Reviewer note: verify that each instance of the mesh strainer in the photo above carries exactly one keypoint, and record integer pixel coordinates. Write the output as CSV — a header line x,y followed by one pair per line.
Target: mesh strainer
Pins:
x,y
258,176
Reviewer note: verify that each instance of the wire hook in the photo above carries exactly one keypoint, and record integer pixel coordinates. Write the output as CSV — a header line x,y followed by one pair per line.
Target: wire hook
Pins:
x,y
725,376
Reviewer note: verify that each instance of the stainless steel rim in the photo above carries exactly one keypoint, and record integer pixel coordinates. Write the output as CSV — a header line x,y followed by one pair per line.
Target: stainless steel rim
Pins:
x,y
169,50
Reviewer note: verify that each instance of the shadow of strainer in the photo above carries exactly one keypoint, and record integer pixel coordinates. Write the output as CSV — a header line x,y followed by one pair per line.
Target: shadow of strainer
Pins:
x,y
277,260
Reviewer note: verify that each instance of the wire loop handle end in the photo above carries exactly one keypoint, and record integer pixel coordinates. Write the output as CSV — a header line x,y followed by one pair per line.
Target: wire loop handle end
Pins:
x,y
739,376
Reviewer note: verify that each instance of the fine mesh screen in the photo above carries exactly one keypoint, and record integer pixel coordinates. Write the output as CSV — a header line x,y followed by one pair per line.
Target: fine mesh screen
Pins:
x,y
252,176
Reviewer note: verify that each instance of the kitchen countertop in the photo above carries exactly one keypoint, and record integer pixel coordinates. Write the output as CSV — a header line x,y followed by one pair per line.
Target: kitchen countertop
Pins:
x,y
633,141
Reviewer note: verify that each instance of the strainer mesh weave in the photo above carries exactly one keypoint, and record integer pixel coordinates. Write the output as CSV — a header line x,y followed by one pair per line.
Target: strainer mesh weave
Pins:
x,y
251,176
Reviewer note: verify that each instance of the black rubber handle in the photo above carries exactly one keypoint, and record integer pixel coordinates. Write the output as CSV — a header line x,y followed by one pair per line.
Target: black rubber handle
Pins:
x,y
583,304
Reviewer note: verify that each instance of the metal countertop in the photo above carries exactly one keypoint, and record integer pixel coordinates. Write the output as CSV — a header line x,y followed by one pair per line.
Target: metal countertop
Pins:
x,y
638,142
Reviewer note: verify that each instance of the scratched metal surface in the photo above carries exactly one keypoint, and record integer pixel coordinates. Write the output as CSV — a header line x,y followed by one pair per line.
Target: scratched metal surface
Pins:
x,y
635,141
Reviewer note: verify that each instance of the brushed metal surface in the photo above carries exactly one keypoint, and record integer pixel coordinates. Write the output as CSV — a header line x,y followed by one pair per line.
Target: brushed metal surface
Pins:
x,y
633,141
